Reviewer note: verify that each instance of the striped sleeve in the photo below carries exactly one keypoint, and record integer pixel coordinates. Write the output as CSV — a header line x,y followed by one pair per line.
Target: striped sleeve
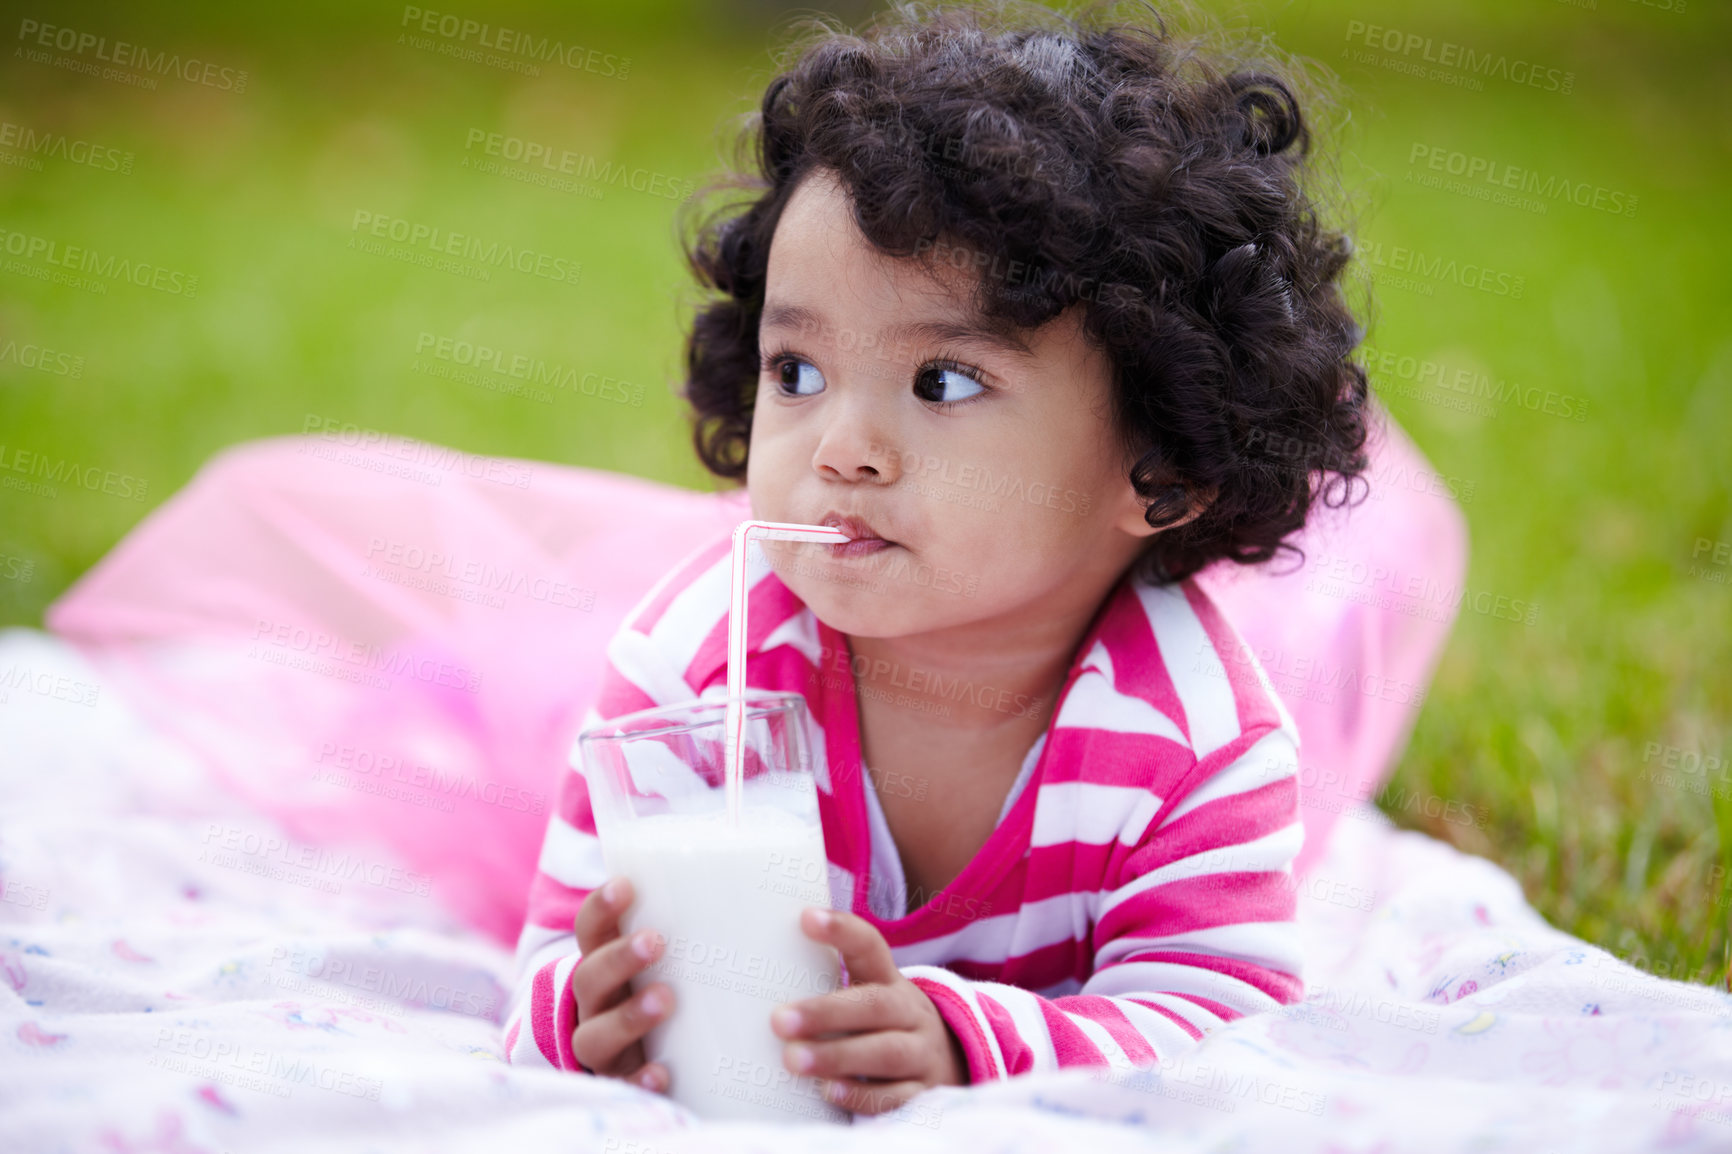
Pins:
x,y
647,660
1196,928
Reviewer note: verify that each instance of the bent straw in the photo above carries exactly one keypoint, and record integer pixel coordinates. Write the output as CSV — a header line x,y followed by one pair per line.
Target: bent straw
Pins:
x,y
744,535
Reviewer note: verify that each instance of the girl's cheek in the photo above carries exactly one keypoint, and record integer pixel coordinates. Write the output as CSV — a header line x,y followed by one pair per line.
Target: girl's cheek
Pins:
x,y
772,469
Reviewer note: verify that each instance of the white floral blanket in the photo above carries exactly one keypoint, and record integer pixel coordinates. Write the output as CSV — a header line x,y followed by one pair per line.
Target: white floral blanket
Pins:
x,y
177,975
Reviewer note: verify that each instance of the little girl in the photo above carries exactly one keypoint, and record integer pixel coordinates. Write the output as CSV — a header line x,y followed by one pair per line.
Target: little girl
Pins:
x,y
1018,305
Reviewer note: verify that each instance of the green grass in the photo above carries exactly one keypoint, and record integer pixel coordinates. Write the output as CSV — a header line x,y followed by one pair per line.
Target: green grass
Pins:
x,y
1549,727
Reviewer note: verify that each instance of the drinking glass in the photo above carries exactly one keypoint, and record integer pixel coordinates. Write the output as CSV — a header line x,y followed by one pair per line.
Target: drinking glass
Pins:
x,y
725,895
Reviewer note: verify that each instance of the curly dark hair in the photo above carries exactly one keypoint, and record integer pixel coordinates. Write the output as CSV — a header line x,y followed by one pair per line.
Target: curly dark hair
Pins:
x,y
1074,162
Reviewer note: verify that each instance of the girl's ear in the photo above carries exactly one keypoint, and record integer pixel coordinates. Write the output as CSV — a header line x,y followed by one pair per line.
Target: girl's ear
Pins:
x,y
1130,518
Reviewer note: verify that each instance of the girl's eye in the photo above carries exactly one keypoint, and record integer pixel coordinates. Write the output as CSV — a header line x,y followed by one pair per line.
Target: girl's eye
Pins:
x,y
944,386
797,378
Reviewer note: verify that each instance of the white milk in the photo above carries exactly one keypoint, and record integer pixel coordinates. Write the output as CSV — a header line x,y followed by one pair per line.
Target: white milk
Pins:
x,y
728,903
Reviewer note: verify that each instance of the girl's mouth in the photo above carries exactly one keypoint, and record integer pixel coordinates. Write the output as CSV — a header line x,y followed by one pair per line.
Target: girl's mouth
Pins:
x,y
865,540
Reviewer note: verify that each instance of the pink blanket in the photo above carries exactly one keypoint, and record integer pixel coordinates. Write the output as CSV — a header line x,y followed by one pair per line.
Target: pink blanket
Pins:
x,y
412,633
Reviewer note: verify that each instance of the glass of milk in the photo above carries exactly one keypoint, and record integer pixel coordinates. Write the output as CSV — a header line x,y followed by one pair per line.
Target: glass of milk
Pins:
x,y
726,897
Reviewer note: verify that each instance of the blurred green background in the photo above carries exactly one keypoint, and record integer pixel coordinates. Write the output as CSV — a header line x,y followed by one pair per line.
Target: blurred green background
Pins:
x,y
1562,730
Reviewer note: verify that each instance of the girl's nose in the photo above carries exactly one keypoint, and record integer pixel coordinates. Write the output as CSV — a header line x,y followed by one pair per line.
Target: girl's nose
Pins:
x,y
853,447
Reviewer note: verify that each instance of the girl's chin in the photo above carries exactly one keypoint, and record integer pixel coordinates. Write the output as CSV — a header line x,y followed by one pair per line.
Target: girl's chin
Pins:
x,y
857,612
890,612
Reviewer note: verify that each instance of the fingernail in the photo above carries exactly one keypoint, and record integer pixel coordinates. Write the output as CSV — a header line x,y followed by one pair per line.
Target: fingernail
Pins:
x,y
643,944
652,1003
786,1021
648,1079
610,891
821,919
802,1057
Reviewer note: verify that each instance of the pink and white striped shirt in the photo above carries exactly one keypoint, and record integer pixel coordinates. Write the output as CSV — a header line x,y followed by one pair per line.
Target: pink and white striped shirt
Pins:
x,y
1136,893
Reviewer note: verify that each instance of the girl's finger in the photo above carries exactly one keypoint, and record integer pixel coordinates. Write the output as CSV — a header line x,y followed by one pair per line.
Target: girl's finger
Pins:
x,y
850,1010
597,919
886,1054
870,1097
653,1076
602,1042
604,974
864,950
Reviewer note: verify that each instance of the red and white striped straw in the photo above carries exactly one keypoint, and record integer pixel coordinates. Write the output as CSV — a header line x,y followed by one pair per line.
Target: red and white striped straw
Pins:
x,y
744,535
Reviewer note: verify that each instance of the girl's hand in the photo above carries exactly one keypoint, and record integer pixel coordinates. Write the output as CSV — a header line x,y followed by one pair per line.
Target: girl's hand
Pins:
x,y
611,1023
875,1043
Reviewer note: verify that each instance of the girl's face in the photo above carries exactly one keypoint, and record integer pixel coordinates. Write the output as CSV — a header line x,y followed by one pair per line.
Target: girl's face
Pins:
x,y
982,469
